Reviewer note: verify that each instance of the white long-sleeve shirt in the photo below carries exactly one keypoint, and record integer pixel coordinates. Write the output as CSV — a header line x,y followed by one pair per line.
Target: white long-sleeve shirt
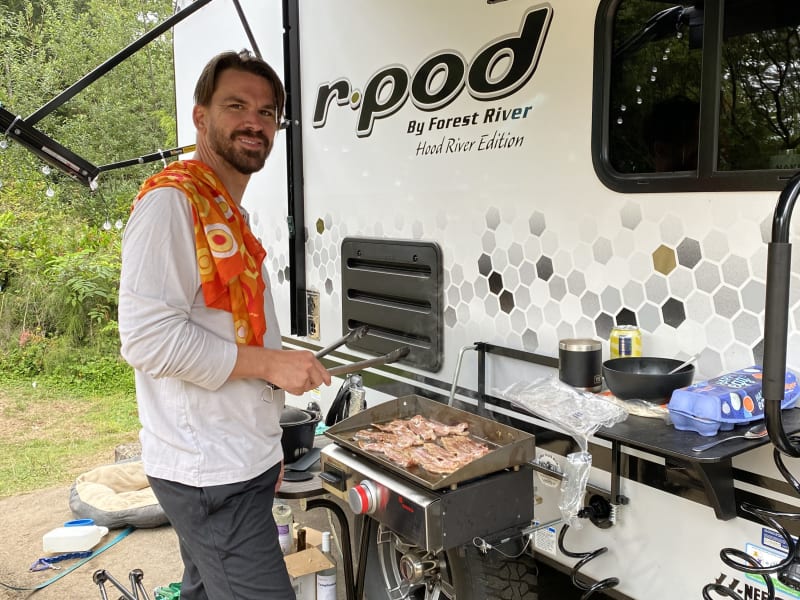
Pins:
x,y
198,428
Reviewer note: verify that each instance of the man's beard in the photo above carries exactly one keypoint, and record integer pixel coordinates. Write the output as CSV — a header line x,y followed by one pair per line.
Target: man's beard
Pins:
x,y
243,160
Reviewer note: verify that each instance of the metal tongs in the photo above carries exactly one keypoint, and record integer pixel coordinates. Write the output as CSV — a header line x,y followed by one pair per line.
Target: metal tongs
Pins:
x,y
386,359
357,334
352,335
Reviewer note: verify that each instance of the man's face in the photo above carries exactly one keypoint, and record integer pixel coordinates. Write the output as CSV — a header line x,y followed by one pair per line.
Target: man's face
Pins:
x,y
241,121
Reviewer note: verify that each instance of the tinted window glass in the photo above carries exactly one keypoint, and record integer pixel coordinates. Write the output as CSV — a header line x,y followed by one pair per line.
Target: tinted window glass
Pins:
x,y
760,81
655,87
657,126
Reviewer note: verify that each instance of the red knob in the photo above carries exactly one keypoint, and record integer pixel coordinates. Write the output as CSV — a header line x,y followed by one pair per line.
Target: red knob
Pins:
x,y
363,498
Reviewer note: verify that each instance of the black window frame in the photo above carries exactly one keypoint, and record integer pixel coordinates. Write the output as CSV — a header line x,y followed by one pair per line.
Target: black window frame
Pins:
x,y
707,178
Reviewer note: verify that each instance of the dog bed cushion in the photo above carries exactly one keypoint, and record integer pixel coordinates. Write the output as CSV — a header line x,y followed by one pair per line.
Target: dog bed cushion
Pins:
x,y
116,496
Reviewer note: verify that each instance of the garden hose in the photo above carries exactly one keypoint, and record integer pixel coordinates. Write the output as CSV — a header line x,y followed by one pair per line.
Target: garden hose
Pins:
x,y
122,534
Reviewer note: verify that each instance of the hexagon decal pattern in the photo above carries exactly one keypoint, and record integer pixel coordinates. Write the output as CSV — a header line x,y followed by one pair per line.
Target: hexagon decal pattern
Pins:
x,y
526,281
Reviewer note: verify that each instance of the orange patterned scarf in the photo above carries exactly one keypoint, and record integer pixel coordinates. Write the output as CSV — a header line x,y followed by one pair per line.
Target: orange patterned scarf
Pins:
x,y
229,256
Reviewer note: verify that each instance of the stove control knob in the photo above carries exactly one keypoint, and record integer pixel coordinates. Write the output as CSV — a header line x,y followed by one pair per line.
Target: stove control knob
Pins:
x,y
363,498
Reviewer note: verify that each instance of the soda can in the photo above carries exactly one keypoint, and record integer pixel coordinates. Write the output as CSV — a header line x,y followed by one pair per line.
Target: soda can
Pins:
x,y
625,340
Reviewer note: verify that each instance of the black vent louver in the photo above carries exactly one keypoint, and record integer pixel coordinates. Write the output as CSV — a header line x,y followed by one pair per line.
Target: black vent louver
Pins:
x,y
394,287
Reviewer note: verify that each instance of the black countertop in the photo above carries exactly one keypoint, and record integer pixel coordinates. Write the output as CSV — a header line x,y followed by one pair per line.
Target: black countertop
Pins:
x,y
653,435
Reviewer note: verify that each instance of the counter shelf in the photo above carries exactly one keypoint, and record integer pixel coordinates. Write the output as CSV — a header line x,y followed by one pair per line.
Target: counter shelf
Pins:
x,y
713,467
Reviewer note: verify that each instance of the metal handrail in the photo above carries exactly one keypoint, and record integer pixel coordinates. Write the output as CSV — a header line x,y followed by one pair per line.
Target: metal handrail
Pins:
x,y
776,318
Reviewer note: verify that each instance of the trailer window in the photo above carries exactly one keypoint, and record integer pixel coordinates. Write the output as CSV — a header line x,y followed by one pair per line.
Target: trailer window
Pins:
x,y
760,89
697,95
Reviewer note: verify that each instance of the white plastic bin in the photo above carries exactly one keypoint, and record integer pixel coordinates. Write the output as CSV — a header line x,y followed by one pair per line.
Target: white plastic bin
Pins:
x,y
73,538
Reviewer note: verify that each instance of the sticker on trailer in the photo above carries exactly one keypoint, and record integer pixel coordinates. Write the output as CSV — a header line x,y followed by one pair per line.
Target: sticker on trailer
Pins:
x,y
549,462
772,539
544,539
767,558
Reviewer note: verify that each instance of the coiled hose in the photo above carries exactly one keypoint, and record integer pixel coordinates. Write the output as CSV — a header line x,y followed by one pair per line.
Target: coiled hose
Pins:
x,y
585,557
743,562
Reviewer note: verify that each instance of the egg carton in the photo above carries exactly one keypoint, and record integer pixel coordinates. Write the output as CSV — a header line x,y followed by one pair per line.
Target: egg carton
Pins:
x,y
721,403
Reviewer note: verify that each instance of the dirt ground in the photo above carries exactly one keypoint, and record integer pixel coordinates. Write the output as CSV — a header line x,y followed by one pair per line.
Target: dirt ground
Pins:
x,y
24,519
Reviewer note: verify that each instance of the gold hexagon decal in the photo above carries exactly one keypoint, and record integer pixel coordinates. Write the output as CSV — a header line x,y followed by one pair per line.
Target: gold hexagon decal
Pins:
x,y
664,260
320,225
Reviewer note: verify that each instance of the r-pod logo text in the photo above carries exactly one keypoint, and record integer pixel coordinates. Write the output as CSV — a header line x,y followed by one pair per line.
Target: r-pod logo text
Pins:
x,y
498,70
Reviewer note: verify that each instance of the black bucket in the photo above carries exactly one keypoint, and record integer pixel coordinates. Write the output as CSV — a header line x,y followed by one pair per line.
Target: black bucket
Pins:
x,y
299,427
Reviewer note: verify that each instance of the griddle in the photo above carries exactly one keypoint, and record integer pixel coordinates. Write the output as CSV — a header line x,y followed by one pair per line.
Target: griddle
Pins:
x,y
509,447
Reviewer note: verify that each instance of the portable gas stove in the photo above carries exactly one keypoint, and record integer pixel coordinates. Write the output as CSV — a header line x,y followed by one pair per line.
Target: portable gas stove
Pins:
x,y
490,495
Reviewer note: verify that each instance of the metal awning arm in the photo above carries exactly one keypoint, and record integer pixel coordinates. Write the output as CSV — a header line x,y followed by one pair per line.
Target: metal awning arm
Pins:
x,y
147,158
47,149
112,62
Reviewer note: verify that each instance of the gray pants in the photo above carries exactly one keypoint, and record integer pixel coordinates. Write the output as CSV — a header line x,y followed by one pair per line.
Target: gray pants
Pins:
x,y
228,539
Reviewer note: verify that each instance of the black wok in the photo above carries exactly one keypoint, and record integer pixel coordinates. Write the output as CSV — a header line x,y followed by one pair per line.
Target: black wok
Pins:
x,y
645,377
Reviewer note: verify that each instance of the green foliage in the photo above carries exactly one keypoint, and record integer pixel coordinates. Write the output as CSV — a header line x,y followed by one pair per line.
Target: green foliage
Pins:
x,y
84,292
59,265
760,93
129,111
25,358
94,368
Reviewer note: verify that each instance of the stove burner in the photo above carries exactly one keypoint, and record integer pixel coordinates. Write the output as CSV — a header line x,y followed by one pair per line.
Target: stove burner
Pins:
x,y
433,520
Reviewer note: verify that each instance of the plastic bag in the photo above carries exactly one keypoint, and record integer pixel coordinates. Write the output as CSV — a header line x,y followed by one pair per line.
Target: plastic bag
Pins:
x,y
168,592
580,414
573,487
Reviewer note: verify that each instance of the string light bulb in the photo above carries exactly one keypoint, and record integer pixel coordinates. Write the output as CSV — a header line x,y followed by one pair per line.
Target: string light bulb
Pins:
x,y
50,192
107,225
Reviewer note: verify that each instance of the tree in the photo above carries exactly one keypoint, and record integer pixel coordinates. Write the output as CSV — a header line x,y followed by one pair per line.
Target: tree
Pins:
x,y
59,267
128,112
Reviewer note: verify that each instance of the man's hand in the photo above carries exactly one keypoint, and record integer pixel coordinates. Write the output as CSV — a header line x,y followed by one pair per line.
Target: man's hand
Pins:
x,y
296,371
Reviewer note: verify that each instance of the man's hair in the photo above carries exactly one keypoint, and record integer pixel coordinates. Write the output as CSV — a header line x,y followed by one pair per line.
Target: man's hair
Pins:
x,y
243,60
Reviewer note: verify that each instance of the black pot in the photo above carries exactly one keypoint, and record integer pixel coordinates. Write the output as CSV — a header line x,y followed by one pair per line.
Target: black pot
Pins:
x,y
298,432
645,378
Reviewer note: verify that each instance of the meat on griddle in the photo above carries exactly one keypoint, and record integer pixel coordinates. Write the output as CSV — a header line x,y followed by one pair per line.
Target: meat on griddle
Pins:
x,y
398,439
418,441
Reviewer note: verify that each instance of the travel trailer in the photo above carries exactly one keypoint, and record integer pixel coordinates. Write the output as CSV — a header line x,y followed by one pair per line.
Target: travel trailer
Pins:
x,y
480,180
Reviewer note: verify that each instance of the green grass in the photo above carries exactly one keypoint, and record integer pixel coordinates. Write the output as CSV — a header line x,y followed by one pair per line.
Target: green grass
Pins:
x,y
50,433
